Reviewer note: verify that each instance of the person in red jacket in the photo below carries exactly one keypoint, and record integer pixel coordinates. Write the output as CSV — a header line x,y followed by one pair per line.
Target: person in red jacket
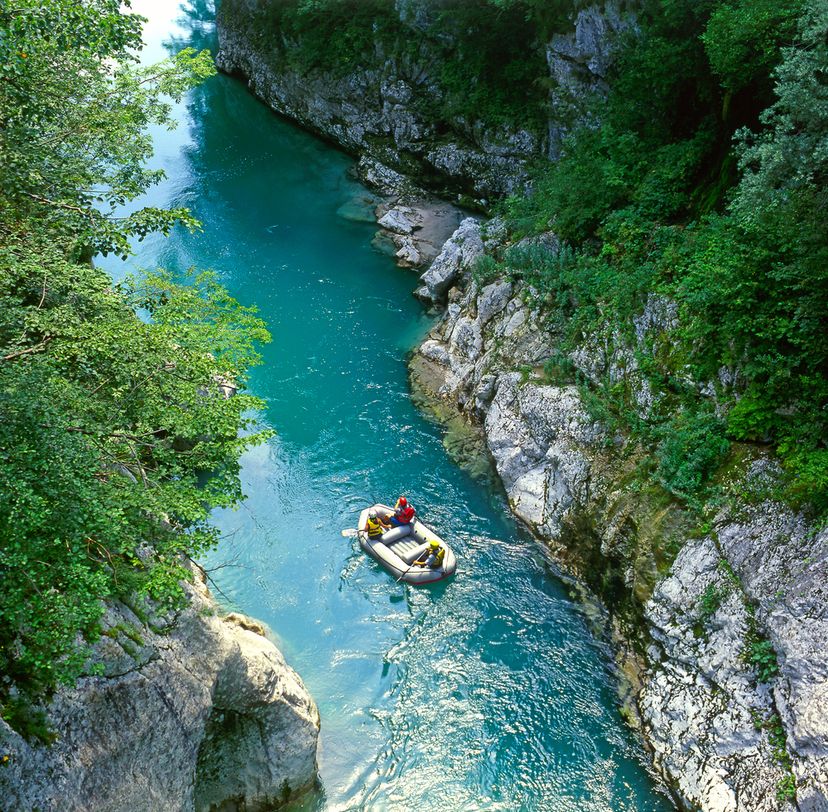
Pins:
x,y
403,513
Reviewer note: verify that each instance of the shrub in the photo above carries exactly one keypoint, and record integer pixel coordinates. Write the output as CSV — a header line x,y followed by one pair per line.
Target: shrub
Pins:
x,y
692,446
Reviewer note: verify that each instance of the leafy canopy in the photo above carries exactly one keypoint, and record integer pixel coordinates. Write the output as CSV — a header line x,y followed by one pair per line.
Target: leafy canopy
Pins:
x,y
116,435
75,107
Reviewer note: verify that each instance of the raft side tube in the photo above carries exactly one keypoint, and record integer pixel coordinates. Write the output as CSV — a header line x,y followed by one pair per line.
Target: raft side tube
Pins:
x,y
412,555
395,534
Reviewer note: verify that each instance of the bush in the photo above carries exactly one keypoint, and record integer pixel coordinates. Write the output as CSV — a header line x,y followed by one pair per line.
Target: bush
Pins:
x,y
335,35
761,655
692,446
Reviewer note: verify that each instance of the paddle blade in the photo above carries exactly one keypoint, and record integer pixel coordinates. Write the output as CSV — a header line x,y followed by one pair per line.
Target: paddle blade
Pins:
x,y
350,532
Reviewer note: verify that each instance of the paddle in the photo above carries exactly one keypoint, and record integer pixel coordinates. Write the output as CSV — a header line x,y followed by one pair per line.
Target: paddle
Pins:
x,y
405,573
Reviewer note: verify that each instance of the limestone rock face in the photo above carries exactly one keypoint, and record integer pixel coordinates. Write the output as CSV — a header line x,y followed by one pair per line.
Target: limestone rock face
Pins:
x,y
536,435
193,712
719,735
704,693
579,63
458,254
381,110
701,705
384,110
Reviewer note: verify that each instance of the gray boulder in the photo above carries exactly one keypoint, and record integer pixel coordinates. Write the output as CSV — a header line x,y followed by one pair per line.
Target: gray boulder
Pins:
x,y
458,254
194,712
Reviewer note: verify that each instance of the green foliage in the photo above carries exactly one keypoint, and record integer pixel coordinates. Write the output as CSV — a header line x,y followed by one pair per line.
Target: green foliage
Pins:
x,y
116,439
807,471
19,713
761,655
658,131
109,424
717,591
74,148
691,448
549,16
786,788
336,36
742,38
710,601
485,269
749,419
491,64
559,369
689,190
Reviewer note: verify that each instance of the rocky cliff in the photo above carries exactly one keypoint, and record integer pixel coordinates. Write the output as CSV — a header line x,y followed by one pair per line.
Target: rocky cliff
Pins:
x,y
731,684
393,107
189,710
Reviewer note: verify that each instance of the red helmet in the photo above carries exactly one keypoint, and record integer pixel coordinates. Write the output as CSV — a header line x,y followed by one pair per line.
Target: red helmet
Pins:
x,y
403,501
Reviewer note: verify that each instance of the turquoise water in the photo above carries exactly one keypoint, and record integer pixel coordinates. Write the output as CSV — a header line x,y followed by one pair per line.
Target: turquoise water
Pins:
x,y
485,692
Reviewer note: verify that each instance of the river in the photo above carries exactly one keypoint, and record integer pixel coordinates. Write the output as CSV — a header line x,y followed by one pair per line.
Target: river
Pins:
x,y
490,691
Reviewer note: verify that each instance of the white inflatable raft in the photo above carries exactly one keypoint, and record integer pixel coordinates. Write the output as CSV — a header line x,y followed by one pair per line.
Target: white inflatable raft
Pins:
x,y
397,549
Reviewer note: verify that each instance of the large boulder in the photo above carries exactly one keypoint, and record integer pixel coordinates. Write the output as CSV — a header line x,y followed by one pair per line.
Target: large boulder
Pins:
x,y
192,712
457,255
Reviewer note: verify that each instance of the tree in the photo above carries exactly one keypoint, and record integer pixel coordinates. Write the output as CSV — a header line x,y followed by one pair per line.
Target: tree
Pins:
x,y
74,109
116,435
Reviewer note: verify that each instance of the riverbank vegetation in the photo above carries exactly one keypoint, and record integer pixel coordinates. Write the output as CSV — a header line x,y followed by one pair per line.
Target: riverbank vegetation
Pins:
x,y
705,185
116,437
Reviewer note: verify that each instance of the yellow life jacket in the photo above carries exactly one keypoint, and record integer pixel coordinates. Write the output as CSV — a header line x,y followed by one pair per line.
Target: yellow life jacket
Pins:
x,y
439,554
375,528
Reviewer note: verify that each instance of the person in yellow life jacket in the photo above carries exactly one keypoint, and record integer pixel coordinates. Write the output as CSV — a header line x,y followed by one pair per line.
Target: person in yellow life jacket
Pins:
x,y
376,525
433,556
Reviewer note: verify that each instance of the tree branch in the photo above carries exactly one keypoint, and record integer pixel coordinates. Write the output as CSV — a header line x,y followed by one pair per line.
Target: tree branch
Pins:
x,y
34,348
87,213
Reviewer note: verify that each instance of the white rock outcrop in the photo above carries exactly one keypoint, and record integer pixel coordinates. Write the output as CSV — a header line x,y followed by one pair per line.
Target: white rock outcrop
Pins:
x,y
192,712
458,254
721,737
415,225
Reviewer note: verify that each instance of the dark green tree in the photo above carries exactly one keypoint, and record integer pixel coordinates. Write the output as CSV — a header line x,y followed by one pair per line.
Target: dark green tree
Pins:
x,y
117,437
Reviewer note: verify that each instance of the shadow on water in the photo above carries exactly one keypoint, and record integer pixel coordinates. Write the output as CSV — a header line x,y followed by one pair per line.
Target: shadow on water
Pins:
x,y
487,691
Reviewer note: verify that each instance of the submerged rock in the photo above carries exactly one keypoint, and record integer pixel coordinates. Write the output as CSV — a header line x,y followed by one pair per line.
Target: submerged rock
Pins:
x,y
359,209
192,712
